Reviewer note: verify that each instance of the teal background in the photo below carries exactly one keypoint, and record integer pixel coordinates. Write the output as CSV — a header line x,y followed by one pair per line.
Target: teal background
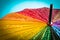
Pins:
x,y
6,5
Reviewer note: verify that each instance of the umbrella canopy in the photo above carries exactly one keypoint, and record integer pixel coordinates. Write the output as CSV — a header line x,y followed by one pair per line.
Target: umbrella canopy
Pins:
x,y
30,24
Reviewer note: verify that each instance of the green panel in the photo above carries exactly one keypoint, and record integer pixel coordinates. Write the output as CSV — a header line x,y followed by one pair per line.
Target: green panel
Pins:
x,y
43,34
46,35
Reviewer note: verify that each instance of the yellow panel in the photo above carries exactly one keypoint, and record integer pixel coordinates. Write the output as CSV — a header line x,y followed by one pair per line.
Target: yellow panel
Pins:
x,y
23,28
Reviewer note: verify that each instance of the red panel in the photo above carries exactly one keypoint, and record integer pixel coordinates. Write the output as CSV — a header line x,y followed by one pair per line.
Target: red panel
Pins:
x,y
40,13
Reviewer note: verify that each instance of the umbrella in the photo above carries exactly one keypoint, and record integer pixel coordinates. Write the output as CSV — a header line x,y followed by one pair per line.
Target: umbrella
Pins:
x,y
31,24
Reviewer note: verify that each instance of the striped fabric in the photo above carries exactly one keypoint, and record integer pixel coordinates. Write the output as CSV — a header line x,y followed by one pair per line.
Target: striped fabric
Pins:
x,y
30,24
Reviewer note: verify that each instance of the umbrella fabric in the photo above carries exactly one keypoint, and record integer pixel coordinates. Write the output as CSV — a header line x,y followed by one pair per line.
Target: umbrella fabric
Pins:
x,y
57,17
43,34
56,24
29,24
20,26
41,13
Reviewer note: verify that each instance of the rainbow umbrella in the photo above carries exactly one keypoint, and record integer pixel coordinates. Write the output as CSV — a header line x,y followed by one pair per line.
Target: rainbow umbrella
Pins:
x,y
31,24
